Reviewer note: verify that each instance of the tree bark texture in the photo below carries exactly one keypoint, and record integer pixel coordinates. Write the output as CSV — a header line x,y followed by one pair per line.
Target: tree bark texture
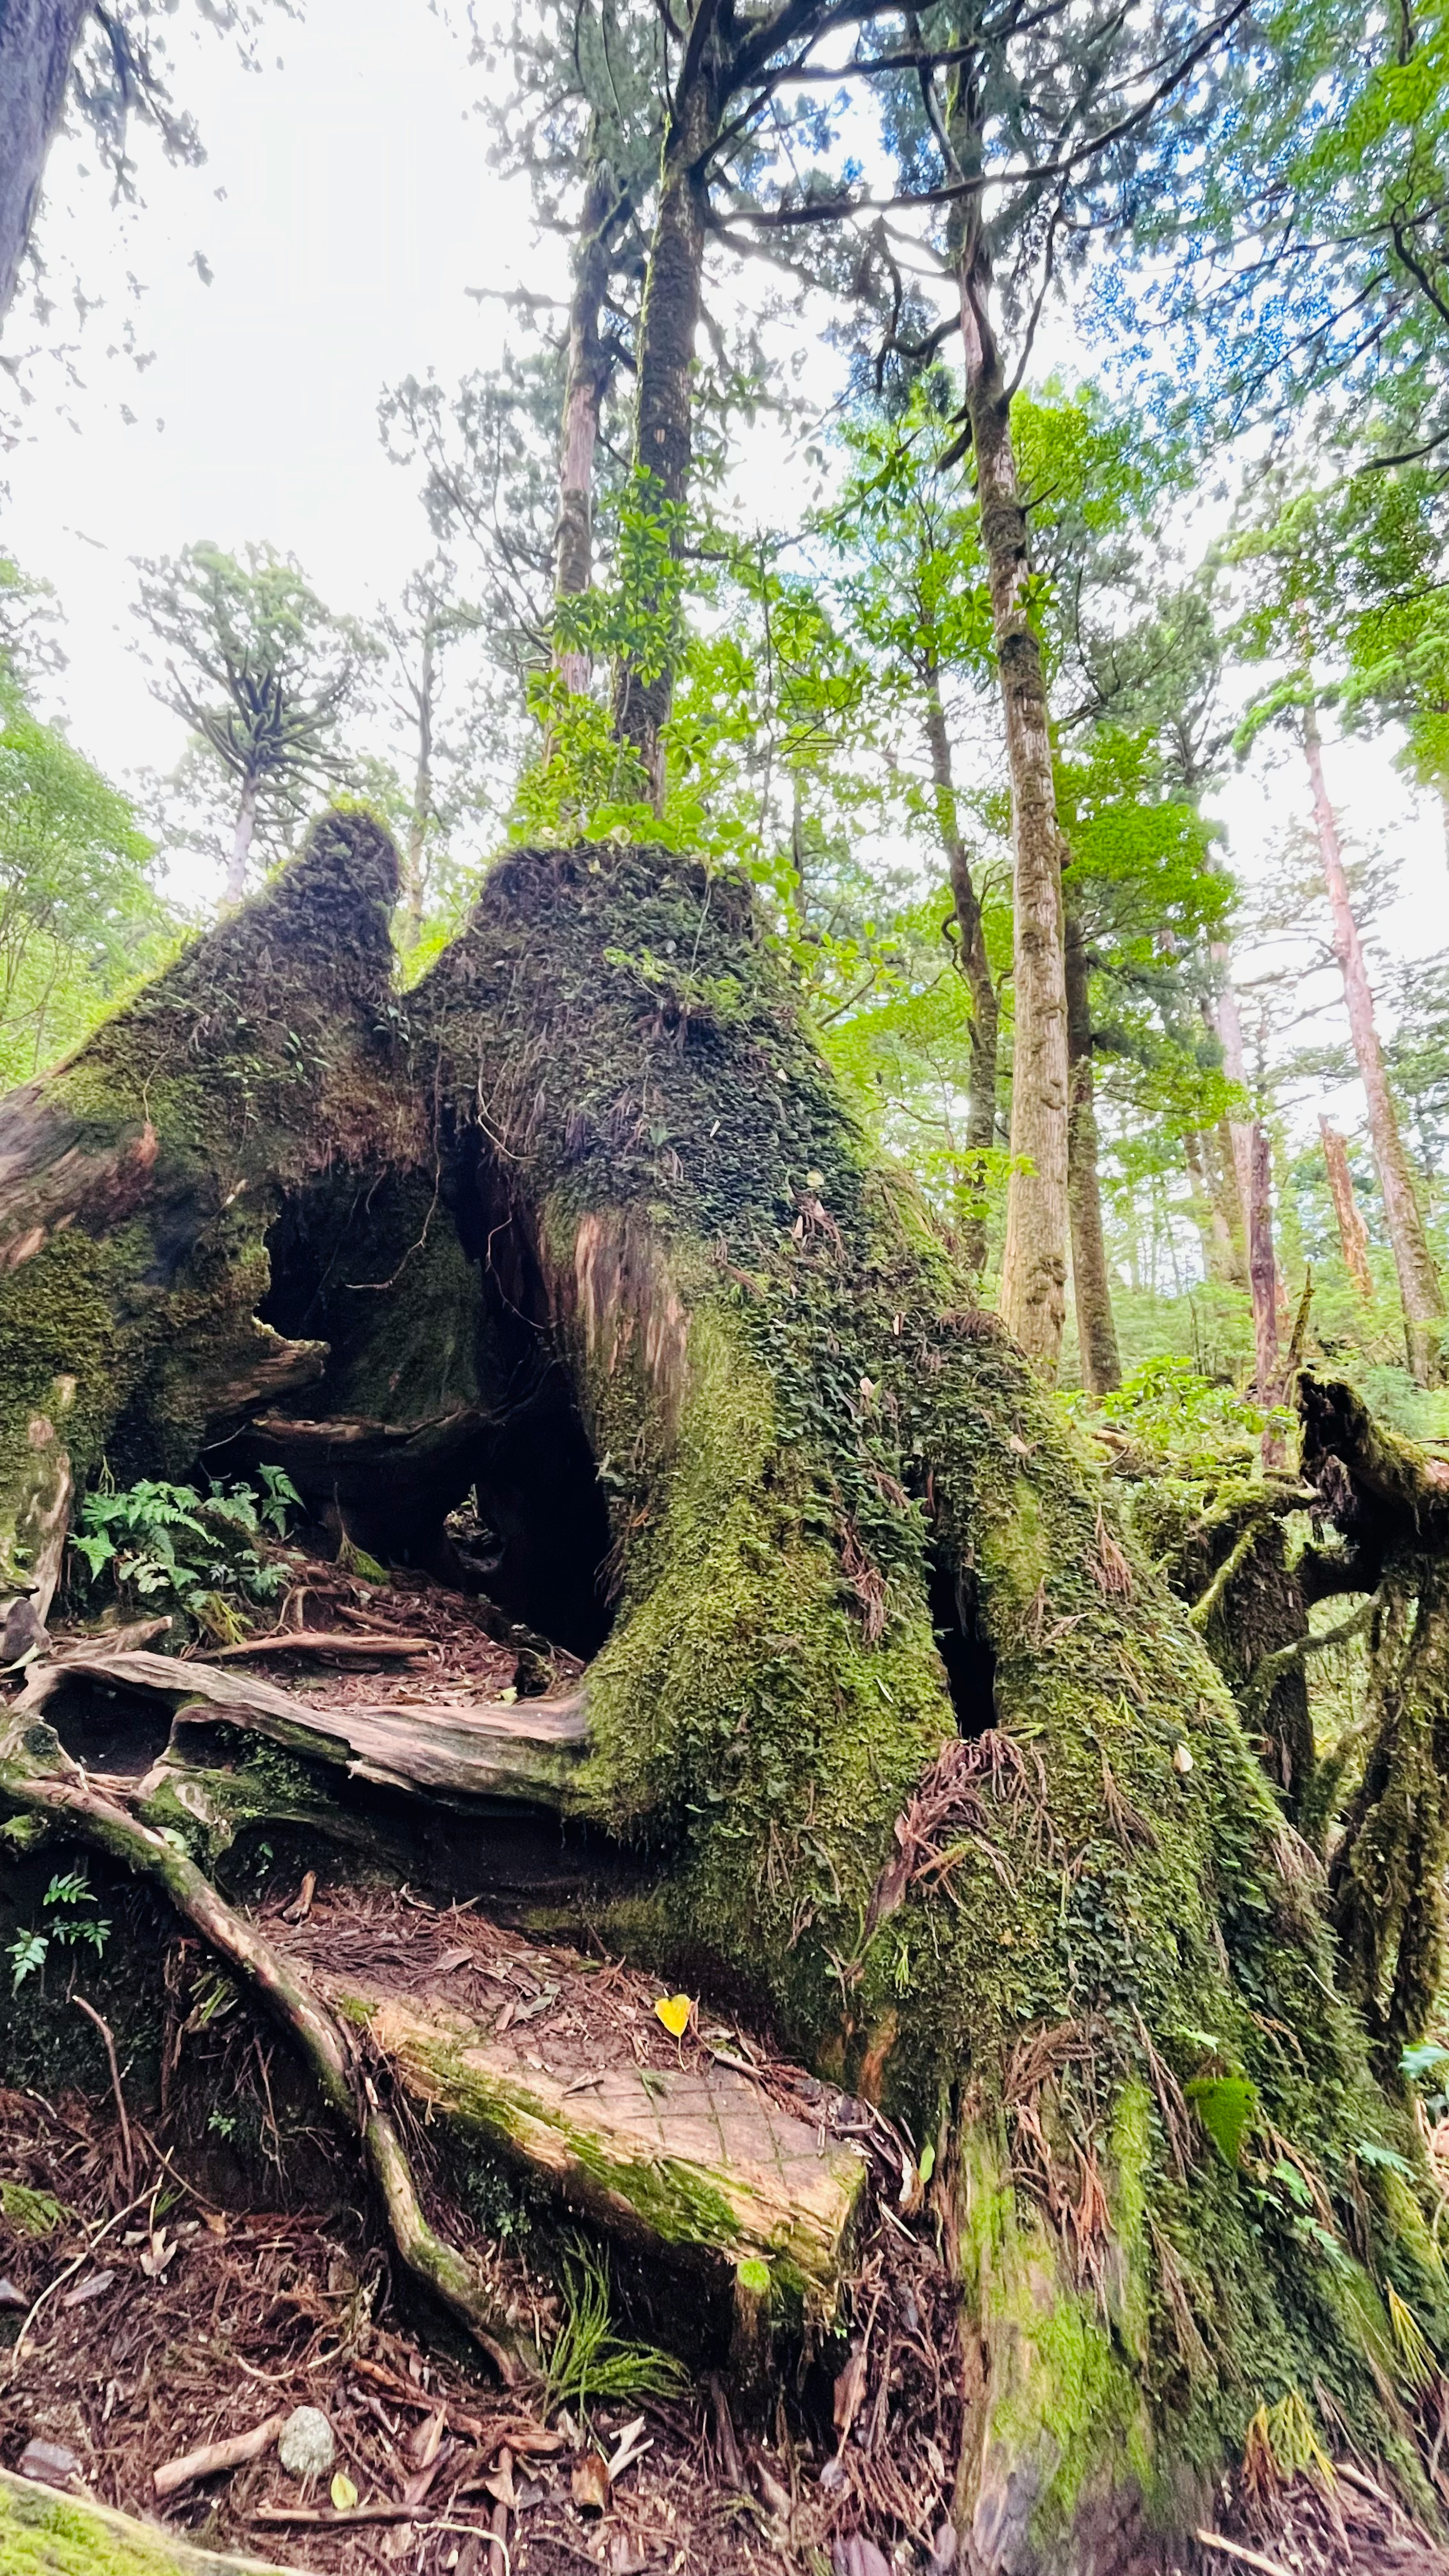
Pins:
x,y
1100,1359
1032,1296
1352,1232
1419,1288
974,962
1033,1897
37,42
663,420
585,385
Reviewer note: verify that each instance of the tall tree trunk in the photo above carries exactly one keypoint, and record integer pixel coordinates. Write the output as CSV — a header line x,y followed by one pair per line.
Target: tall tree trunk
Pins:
x,y
241,843
975,965
1228,1025
1352,1232
663,431
1034,1261
1263,1279
1091,1280
1214,1223
1423,1298
414,863
587,379
1228,1200
37,41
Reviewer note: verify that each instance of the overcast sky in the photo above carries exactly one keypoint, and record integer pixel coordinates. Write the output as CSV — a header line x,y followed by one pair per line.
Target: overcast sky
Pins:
x,y
345,210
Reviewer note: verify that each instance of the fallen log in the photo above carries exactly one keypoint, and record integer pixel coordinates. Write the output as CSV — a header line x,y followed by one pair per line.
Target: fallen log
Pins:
x,y
529,1749
43,2528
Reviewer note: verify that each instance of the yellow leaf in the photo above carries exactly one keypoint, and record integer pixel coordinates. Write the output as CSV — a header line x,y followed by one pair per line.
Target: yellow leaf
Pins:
x,y
344,2493
675,2012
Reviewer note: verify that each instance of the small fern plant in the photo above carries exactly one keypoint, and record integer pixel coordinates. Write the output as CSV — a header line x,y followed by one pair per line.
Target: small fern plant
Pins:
x,y
202,1554
67,1928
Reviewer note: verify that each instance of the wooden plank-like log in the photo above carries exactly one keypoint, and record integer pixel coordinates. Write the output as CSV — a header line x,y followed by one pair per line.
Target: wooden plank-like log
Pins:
x,y
528,1749
692,2166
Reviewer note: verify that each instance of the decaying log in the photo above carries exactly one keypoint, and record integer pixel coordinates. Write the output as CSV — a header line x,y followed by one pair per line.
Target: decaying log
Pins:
x,y
532,1749
1383,1491
691,2168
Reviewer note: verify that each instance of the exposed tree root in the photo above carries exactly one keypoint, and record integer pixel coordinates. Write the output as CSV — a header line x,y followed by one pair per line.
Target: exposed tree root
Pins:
x,y
37,1777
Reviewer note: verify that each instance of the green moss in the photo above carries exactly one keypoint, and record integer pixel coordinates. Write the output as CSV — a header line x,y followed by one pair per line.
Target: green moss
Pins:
x,y
46,2534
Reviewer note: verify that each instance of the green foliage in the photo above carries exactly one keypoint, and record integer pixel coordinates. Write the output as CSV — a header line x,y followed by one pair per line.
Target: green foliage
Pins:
x,y
33,2213
589,2363
262,672
79,916
204,1553
1171,1408
69,1928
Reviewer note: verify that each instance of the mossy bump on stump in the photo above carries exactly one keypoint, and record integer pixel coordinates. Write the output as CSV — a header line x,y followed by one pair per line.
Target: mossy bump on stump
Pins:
x,y
920,1751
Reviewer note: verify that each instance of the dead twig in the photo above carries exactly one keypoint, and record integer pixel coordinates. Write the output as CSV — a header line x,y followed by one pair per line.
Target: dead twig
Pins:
x,y
324,1641
212,2457
104,2027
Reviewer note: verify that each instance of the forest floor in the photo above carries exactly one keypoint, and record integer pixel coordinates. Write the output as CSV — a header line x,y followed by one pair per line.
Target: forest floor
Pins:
x,y
148,2309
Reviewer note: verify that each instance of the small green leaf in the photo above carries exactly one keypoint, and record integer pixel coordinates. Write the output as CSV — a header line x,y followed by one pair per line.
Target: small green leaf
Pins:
x,y
1369,2152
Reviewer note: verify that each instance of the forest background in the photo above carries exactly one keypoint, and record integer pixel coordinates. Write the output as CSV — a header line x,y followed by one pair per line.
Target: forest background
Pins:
x,y
341,346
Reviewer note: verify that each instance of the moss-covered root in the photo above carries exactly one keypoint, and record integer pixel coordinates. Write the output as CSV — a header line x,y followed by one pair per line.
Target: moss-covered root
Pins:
x,y
45,2533
37,1777
138,1181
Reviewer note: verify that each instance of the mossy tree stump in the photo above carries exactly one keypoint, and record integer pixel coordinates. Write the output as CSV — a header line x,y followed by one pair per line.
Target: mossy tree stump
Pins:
x,y
919,1754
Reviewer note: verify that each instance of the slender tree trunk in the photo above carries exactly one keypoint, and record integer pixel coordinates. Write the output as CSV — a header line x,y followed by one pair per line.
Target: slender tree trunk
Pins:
x,y
1423,1298
1229,1213
1034,1262
663,432
415,862
1220,1256
37,41
1253,1167
1352,1232
1091,1280
1227,1022
587,377
975,966
1263,1278
241,844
